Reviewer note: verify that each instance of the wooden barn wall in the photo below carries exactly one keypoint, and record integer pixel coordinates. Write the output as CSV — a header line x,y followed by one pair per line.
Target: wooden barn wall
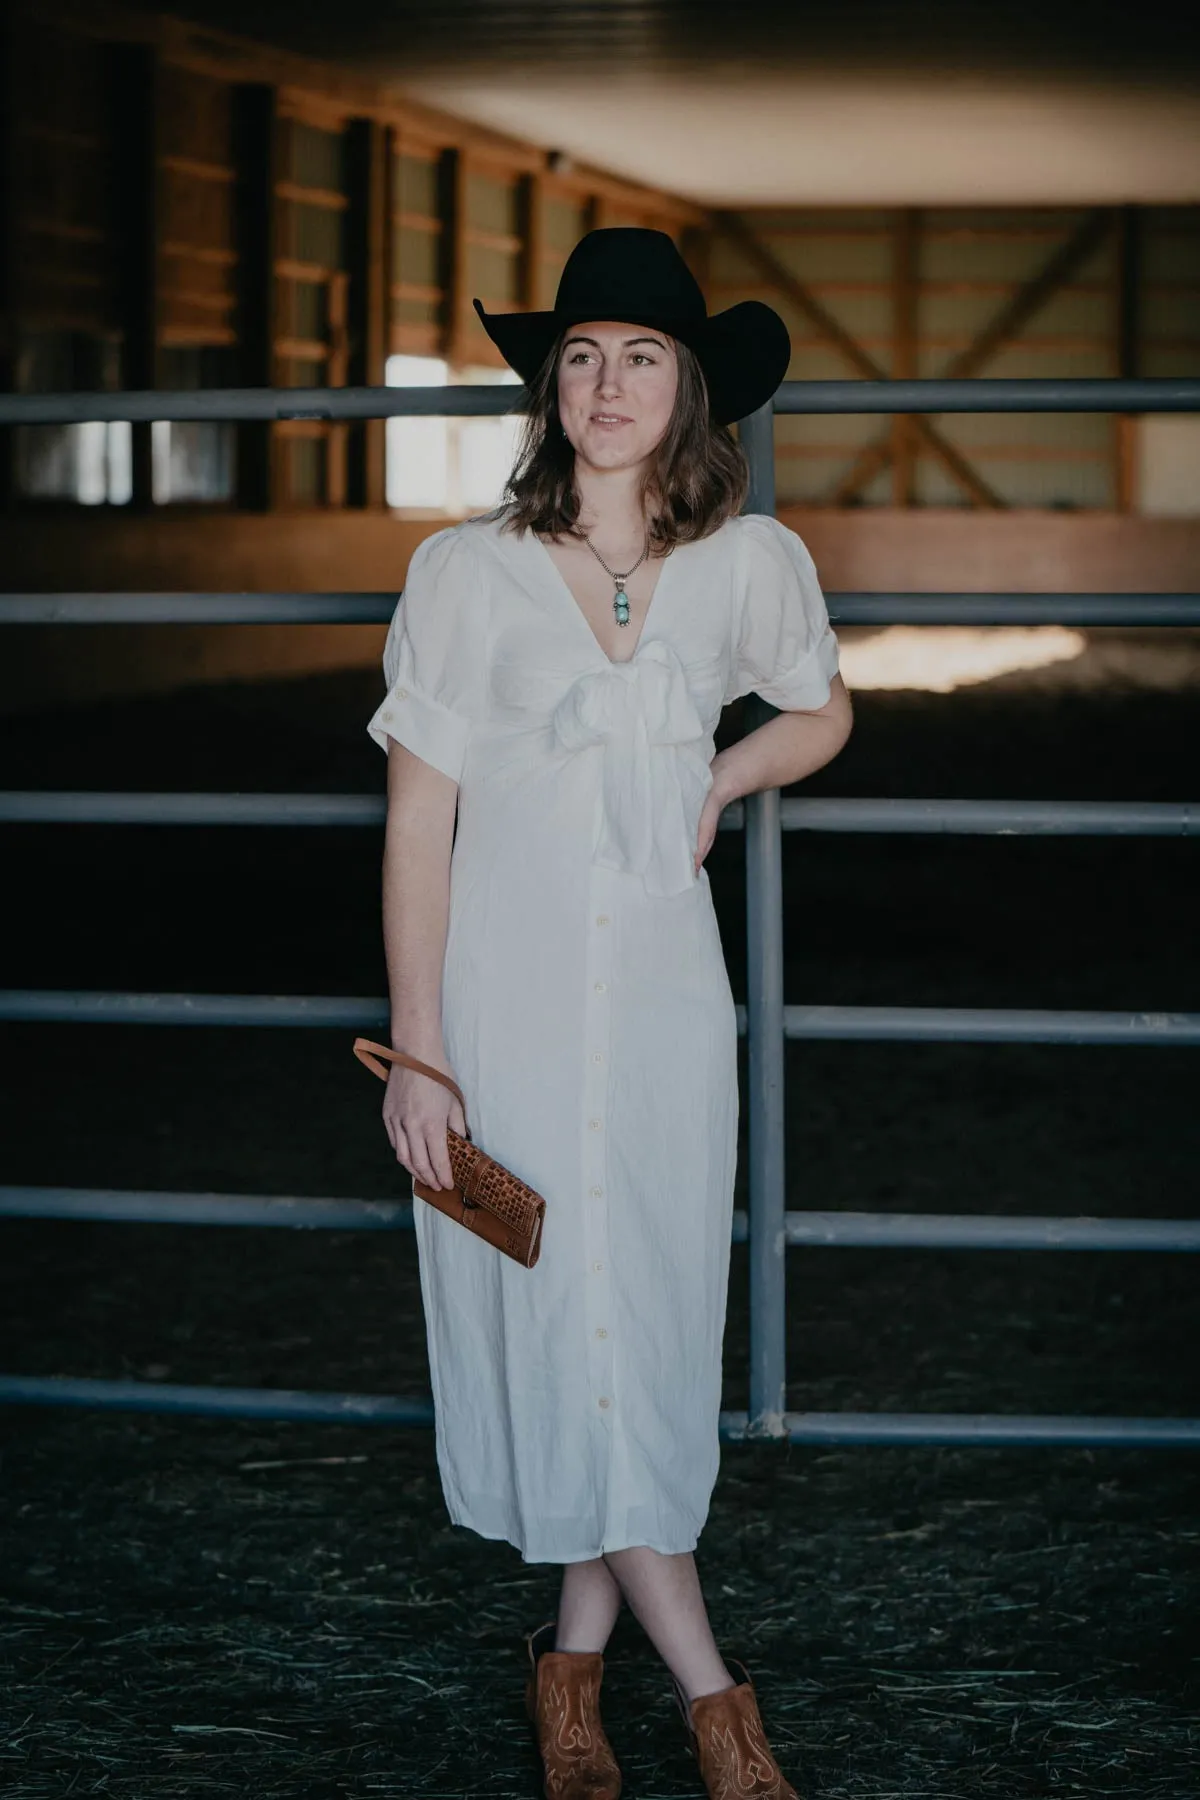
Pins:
x,y
1011,293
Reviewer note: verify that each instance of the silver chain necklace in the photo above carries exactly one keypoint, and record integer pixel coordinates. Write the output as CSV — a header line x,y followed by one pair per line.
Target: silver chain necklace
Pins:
x,y
620,598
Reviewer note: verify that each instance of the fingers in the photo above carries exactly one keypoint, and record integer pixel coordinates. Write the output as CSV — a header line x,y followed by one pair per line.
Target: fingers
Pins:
x,y
439,1156
423,1153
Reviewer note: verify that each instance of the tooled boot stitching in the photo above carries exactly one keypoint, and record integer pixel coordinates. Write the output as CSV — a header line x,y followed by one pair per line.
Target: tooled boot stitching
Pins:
x,y
736,1762
728,1777
576,1755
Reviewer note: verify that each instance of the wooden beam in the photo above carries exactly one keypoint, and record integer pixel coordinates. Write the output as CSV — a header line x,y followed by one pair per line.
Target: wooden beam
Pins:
x,y
905,291
1126,358
452,273
368,233
532,214
835,333
256,156
1030,298
1011,318
800,297
133,97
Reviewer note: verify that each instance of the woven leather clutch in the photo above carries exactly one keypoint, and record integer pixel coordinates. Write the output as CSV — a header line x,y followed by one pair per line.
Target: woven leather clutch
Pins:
x,y
486,1197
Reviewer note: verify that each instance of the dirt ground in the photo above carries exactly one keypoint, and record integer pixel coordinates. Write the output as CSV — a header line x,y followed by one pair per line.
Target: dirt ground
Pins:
x,y
199,1607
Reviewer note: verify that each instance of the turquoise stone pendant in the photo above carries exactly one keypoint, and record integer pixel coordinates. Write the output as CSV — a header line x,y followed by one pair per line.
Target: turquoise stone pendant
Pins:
x,y
621,606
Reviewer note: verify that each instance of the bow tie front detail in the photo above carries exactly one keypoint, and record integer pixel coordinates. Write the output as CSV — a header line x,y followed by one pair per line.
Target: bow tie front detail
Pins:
x,y
655,775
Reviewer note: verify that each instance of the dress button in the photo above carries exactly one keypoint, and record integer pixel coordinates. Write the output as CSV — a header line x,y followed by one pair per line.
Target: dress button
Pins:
x,y
602,918
402,693
597,1056
605,1402
387,714
598,1266
593,1124
596,1192
601,1333
600,986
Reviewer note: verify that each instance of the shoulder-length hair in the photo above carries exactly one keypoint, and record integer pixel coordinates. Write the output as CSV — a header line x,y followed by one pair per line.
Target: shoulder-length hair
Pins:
x,y
697,478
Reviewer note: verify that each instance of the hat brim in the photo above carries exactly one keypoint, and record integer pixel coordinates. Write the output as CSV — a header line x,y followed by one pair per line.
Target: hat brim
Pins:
x,y
744,351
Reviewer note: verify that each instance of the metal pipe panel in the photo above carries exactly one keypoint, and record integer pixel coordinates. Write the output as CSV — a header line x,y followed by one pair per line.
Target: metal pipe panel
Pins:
x,y
215,1402
1003,818
197,609
767,1175
1014,609
1010,1430
57,807
82,1008
450,402
149,1207
1004,1430
927,1231
1035,818
376,609
763,1024
856,1024
980,1025
977,1231
978,396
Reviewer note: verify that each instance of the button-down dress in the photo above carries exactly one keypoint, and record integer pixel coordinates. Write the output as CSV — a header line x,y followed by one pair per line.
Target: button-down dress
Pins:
x,y
587,1015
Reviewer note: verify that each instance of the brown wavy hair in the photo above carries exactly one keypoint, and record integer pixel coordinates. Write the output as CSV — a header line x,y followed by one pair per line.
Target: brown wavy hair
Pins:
x,y
695,480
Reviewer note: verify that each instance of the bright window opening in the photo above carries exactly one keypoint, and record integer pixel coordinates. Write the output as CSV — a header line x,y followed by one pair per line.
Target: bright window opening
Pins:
x,y
447,466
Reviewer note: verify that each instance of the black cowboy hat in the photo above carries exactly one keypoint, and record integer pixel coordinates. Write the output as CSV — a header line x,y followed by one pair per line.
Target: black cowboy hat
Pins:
x,y
629,274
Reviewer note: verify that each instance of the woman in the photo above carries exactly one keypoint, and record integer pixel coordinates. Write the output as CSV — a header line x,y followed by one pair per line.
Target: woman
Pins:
x,y
556,672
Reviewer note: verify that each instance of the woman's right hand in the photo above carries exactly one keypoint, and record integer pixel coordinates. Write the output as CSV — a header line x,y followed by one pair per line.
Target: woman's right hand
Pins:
x,y
416,1114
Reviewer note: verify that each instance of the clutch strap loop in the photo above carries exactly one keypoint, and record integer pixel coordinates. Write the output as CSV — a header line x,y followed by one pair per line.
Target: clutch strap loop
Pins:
x,y
376,1055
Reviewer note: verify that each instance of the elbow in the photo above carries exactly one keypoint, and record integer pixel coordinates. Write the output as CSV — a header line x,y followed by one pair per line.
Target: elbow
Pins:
x,y
841,715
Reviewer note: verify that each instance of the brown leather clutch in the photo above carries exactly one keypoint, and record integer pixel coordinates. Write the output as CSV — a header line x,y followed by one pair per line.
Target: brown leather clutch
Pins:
x,y
486,1197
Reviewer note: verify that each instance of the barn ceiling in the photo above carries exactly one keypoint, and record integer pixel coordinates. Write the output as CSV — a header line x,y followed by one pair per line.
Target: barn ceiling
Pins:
x,y
850,101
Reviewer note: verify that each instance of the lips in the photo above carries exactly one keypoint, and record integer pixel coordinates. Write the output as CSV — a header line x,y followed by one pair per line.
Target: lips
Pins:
x,y
610,419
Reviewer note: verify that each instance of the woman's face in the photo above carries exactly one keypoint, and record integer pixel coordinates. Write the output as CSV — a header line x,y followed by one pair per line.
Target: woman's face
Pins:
x,y
616,392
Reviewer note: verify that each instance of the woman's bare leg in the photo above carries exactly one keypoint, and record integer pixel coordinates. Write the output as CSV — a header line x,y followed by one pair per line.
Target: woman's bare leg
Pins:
x,y
664,1595
587,1607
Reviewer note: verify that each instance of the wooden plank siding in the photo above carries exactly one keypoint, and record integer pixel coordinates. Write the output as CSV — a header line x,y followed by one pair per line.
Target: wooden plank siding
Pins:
x,y
1005,292
293,226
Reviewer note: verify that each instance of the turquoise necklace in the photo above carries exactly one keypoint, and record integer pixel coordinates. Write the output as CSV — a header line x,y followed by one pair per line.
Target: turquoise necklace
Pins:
x,y
620,598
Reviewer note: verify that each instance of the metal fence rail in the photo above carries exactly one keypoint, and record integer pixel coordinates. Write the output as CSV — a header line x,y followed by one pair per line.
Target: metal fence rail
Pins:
x,y
860,1230
268,404
957,818
847,1024
768,1022
376,609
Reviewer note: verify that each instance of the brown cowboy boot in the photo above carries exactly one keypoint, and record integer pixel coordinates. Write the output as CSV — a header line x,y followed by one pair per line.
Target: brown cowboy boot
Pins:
x,y
729,1743
563,1701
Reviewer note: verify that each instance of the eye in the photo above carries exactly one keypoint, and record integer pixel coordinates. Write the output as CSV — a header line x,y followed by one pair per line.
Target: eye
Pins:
x,y
578,356
641,356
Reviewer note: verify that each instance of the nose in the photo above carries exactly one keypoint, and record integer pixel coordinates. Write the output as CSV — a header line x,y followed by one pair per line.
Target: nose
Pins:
x,y
608,382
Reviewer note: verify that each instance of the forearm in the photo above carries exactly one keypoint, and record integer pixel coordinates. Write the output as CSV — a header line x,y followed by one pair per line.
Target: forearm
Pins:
x,y
787,748
416,901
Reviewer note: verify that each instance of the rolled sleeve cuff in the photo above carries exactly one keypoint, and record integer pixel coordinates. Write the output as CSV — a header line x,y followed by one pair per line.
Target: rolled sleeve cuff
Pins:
x,y
424,726
807,686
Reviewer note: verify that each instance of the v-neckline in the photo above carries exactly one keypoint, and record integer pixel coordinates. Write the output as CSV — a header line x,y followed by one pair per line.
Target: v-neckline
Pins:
x,y
614,662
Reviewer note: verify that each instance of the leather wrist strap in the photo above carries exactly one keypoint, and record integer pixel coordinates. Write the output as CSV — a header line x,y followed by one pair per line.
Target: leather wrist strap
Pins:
x,y
376,1055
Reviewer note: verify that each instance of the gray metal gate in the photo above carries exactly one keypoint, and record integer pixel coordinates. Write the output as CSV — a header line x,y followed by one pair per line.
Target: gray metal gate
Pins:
x,y
765,1019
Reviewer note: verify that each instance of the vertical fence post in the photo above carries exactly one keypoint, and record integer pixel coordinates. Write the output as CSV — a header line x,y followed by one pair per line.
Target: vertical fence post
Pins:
x,y
764,1029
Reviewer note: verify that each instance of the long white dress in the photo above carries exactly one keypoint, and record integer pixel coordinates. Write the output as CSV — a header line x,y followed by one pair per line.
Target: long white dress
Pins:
x,y
587,1015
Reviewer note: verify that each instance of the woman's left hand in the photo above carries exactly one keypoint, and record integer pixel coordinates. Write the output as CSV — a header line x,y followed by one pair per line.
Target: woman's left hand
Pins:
x,y
715,802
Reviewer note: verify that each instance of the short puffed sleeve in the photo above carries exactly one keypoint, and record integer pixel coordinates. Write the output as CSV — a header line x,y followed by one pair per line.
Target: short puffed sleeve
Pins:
x,y
433,660
784,647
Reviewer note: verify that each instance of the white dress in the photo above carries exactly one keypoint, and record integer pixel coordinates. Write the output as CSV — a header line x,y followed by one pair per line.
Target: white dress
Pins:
x,y
588,1017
